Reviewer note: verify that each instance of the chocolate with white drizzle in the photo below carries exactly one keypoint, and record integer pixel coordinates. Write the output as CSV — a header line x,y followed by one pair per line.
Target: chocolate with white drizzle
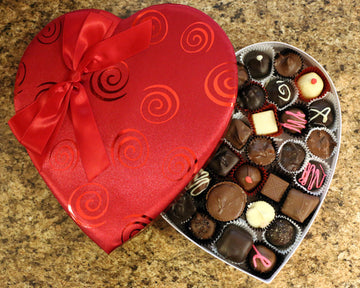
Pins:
x,y
321,113
199,183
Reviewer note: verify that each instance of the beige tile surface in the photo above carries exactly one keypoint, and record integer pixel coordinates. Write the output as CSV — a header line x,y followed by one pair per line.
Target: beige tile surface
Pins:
x,y
41,247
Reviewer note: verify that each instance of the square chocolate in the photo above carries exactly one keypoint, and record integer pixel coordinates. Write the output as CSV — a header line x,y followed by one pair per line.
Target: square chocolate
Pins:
x,y
274,187
265,122
223,161
299,205
238,133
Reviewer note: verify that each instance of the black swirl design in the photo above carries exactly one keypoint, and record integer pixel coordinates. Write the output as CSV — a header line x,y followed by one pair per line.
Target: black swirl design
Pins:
x,y
50,33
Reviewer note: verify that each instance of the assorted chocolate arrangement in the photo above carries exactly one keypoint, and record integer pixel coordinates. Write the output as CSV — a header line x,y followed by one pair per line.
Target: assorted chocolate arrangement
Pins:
x,y
255,200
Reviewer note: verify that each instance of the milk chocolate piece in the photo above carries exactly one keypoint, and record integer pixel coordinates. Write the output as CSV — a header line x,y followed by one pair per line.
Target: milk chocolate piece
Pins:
x,y
223,161
238,133
258,63
274,187
299,205
321,113
258,265
287,64
261,151
281,233
251,97
226,201
248,176
235,243
202,227
292,156
321,143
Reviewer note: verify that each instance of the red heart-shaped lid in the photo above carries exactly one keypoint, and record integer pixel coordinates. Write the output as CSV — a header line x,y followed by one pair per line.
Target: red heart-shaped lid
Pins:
x,y
118,115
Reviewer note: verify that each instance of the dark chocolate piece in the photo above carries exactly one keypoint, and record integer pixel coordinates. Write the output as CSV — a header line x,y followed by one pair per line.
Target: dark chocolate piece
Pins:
x,y
321,113
202,227
299,205
274,187
243,75
226,201
251,97
261,151
248,176
281,92
293,120
281,233
199,183
183,209
321,143
235,243
258,63
287,64
292,156
313,176
264,265
238,133
223,161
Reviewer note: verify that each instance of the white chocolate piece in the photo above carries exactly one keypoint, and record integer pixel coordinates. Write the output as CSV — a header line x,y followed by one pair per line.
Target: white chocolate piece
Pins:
x,y
260,214
310,85
265,122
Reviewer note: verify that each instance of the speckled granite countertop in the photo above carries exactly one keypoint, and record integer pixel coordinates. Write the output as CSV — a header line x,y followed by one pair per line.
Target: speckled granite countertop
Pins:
x,y
40,246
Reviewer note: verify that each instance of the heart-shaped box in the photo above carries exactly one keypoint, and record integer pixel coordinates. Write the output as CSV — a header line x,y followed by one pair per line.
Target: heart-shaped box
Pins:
x,y
118,115
293,203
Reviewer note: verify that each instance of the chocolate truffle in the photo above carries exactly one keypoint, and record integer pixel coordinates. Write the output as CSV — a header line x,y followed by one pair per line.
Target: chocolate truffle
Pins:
x,y
260,214
261,151
274,187
313,176
251,97
299,205
226,201
243,75
281,92
310,85
265,122
262,259
235,243
321,143
238,133
281,233
199,183
292,156
258,63
223,161
248,176
293,120
183,209
202,227
287,63
321,113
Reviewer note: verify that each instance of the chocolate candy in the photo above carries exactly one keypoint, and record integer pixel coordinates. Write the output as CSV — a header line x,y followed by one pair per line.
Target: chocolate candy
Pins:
x,y
258,63
265,122
310,85
238,133
299,205
261,151
223,161
274,187
287,63
262,259
260,214
248,176
183,209
313,176
226,201
321,113
321,143
202,227
199,183
281,92
293,120
251,97
243,75
235,243
292,156
281,233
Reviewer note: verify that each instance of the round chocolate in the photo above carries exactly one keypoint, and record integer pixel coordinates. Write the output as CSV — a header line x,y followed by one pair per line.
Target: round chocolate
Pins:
x,y
258,63
251,97
310,85
226,201
258,265
202,227
281,233
293,120
321,143
183,209
287,64
243,75
321,113
292,156
259,214
261,151
281,92
248,176
313,176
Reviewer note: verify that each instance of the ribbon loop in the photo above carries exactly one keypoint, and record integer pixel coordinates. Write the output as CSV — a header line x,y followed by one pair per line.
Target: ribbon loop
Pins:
x,y
91,49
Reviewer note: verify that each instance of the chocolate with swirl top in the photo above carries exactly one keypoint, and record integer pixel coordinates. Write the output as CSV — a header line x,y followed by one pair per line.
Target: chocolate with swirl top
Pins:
x,y
321,113
199,183
281,92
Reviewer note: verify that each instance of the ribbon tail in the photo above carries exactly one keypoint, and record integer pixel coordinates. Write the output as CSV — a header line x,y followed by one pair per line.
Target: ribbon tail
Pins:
x,y
93,155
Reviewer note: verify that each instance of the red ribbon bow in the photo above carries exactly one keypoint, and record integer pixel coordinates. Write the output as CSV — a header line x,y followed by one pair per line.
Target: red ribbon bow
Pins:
x,y
92,49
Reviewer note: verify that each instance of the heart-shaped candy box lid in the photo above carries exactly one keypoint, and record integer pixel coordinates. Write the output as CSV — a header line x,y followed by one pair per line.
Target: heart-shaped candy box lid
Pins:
x,y
118,115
